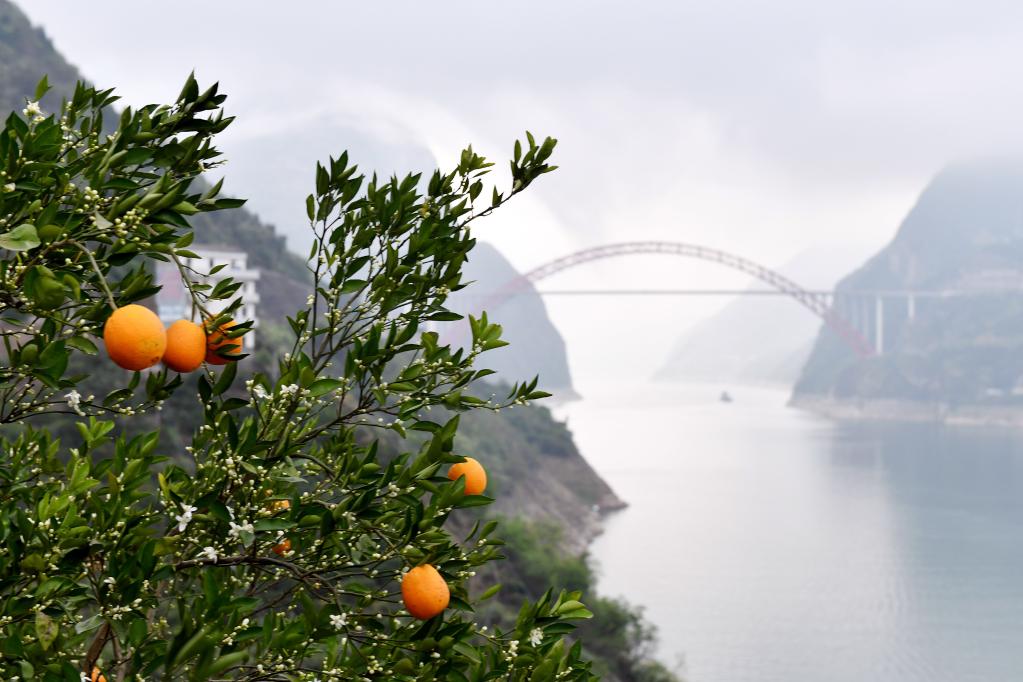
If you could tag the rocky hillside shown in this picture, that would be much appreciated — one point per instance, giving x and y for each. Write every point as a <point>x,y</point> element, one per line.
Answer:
<point>955,355</point>
<point>532,456</point>
<point>537,472</point>
<point>536,345</point>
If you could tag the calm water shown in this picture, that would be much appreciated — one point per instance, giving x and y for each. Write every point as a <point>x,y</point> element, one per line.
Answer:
<point>771,545</point>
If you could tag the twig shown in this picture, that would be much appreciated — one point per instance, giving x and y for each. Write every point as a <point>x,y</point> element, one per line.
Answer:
<point>96,648</point>
<point>95,266</point>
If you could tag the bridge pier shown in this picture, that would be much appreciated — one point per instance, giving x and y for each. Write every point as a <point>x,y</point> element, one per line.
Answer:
<point>879,325</point>
<point>911,307</point>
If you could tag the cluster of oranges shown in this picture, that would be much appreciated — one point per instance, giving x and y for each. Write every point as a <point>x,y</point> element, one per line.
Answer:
<point>136,339</point>
<point>423,589</point>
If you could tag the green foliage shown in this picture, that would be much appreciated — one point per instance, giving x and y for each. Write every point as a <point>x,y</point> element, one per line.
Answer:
<point>169,565</point>
<point>619,639</point>
<point>84,212</point>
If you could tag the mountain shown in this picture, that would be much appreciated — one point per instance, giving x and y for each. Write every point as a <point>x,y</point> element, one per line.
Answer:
<point>291,150</point>
<point>541,481</point>
<point>26,54</point>
<point>536,345</point>
<point>529,452</point>
<point>954,357</point>
<point>758,339</point>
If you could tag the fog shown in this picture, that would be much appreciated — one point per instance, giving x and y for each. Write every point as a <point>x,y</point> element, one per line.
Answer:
<point>762,128</point>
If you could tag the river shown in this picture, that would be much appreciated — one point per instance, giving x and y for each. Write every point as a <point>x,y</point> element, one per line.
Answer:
<point>771,545</point>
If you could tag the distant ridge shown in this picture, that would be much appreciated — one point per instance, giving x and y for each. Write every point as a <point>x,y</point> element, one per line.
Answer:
<point>965,232</point>
<point>758,339</point>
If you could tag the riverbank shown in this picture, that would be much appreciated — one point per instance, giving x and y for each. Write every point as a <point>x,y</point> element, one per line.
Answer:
<point>1007,416</point>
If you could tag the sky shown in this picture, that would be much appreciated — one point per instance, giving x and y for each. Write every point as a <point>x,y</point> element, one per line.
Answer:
<point>763,128</point>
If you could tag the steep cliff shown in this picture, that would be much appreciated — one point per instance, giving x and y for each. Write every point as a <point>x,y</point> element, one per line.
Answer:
<point>537,472</point>
<point>953,353</point>
<point>536,345</point>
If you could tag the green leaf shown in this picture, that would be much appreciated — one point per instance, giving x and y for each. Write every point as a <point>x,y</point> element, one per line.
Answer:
<point>228,660</point>
<point>468,651</point>
<point>21,238</point>
<point>226,378</point>
<point>490,592</point>
<point>90,623</point>
<point>352,285</point>
<point>46,629</point>
<point>474,501</point>
<point>83,344</point>
<point>41,89</point>
<point>324,386</point>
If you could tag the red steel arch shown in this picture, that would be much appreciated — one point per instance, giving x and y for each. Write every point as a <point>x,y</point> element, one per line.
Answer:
<point>816,303</point>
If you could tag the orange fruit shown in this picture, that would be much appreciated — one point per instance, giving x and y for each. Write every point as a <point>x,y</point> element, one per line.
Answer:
<point>279,505</point>
<point>424,592</point>
<point>134,337</point>
<point>186,346</point>
<point>283,547</point>
<point>475,475</point>
<point>216,341</point>
<point>97,676</point>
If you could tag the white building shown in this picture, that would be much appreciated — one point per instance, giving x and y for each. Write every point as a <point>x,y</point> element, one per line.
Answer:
<point>174,303</point>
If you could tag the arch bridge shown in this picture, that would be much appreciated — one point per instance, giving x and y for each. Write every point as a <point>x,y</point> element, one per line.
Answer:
<point>818,303</point>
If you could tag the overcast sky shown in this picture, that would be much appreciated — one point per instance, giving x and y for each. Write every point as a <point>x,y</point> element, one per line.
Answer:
<point>764,128</point>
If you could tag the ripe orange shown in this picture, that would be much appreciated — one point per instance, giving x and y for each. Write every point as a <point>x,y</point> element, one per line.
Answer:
<point>424,592</point>
<point>280,505</point>
<point>216,341</point>
<point>134,337</point>
<point>475,475</point>
<point>283,547</point>
<point>97,676</point>
<point>186,346</point>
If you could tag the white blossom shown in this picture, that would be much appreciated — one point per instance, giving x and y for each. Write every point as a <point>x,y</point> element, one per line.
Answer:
<point>209,553</point>
<point>32,109</point>
<point>260,392</point>
<point>74,400</point>
<point>339,620</point>
<point>238,528</point>
<point>535,636</point>
<point>184,518</point>
<point>9,187</point>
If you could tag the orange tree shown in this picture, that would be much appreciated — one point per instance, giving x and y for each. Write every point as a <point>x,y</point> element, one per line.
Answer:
<point>276,546</point>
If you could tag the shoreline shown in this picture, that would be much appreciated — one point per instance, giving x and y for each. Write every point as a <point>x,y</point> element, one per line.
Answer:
<point>890,410</point>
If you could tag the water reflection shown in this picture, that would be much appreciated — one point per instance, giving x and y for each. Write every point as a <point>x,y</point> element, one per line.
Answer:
<point>768,544</point>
